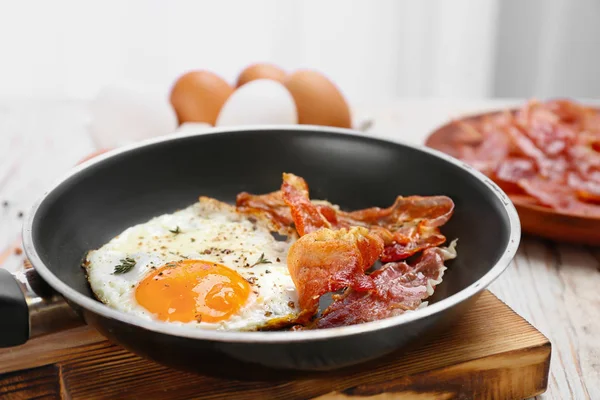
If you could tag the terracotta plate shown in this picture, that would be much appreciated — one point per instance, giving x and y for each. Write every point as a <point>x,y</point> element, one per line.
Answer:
<point>536,220</point>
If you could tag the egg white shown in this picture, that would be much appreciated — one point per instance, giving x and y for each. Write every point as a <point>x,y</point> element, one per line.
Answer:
<point>207,230</point>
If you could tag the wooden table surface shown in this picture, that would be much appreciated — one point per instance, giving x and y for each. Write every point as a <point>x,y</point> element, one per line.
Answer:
<point>556,287</point>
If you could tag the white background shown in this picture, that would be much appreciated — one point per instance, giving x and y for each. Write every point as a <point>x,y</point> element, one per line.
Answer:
<point>375,51</point>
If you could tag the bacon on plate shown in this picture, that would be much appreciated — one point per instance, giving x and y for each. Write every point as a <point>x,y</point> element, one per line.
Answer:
<point>548,151</point>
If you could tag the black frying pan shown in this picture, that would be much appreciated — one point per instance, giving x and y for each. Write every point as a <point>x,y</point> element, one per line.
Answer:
<point>106,195</point>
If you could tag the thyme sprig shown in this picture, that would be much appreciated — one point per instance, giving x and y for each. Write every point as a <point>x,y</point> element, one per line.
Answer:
<point>126,265</point>
<point>261,260</point>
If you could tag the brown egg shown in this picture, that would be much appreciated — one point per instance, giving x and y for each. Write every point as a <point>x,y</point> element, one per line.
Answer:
<point>318,100</point>
<point>260,71</point>
<point>93,154</point>
<point>198,96</point>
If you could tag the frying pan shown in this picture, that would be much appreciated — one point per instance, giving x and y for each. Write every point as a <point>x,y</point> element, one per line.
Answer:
<point>114,191</point>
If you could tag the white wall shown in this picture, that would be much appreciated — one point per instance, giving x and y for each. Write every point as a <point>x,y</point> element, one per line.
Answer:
<point>374,50</point>
<point>548,49</point>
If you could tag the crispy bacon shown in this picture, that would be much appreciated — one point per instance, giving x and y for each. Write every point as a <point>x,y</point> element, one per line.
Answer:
<point>416,240</point>
<point>276,209</point>
<point>511,171</point>
<point>545,150</point>
<point>435,209</point>
<point>325,261</point>
<point>271,203</point>
<point>400,287</point>
<point>487,153</point>
<point>410,225</point>
<point>305,214</point>
<point>336,248</point>
<point>407,227</point>
<point>563,197</point>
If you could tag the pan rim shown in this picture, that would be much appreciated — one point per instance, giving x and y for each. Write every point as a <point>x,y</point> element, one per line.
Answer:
<point>281,336</point>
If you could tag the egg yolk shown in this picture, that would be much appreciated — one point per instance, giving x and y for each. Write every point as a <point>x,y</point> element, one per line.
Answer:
<point>193,290</point>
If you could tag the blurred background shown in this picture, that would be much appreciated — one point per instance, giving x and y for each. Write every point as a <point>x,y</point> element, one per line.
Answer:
<point>375,51</point>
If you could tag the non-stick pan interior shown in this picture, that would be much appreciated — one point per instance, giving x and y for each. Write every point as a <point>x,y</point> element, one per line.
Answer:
<point>98,202</point>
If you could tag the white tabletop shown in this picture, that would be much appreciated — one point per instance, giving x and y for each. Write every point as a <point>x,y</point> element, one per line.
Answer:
<point>556,287</point>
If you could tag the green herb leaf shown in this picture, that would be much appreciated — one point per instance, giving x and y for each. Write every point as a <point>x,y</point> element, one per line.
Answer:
<point>126,265</point>
<point>261,260</point>
<point>175,231</point>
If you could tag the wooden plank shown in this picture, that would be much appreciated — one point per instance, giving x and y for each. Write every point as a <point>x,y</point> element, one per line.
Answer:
<point>47,349</point>
<point>36,383</point>
<point>490,353</point>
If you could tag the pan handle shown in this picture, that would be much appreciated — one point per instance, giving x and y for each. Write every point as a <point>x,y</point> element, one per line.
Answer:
<point>30,308</point>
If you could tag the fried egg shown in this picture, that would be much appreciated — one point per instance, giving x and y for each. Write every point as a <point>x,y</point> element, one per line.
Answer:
<point>206,265</point>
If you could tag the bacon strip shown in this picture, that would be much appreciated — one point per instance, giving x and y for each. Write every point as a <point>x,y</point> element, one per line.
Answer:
<point>415,240</point>
<point>326,261</point>
<point>560,196</point>
<point>305,214</point>
<point>277,209</point>
<point>400,287</point>
<point>489,151</point>
<point>271,203</point>
<point>410,225</point>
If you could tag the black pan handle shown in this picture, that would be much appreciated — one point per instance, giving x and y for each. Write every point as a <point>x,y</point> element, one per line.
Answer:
<point>30,308</point>
<point>14,314</point>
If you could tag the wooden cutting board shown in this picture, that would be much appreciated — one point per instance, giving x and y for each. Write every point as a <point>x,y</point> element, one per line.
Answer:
<point>490,353</point>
